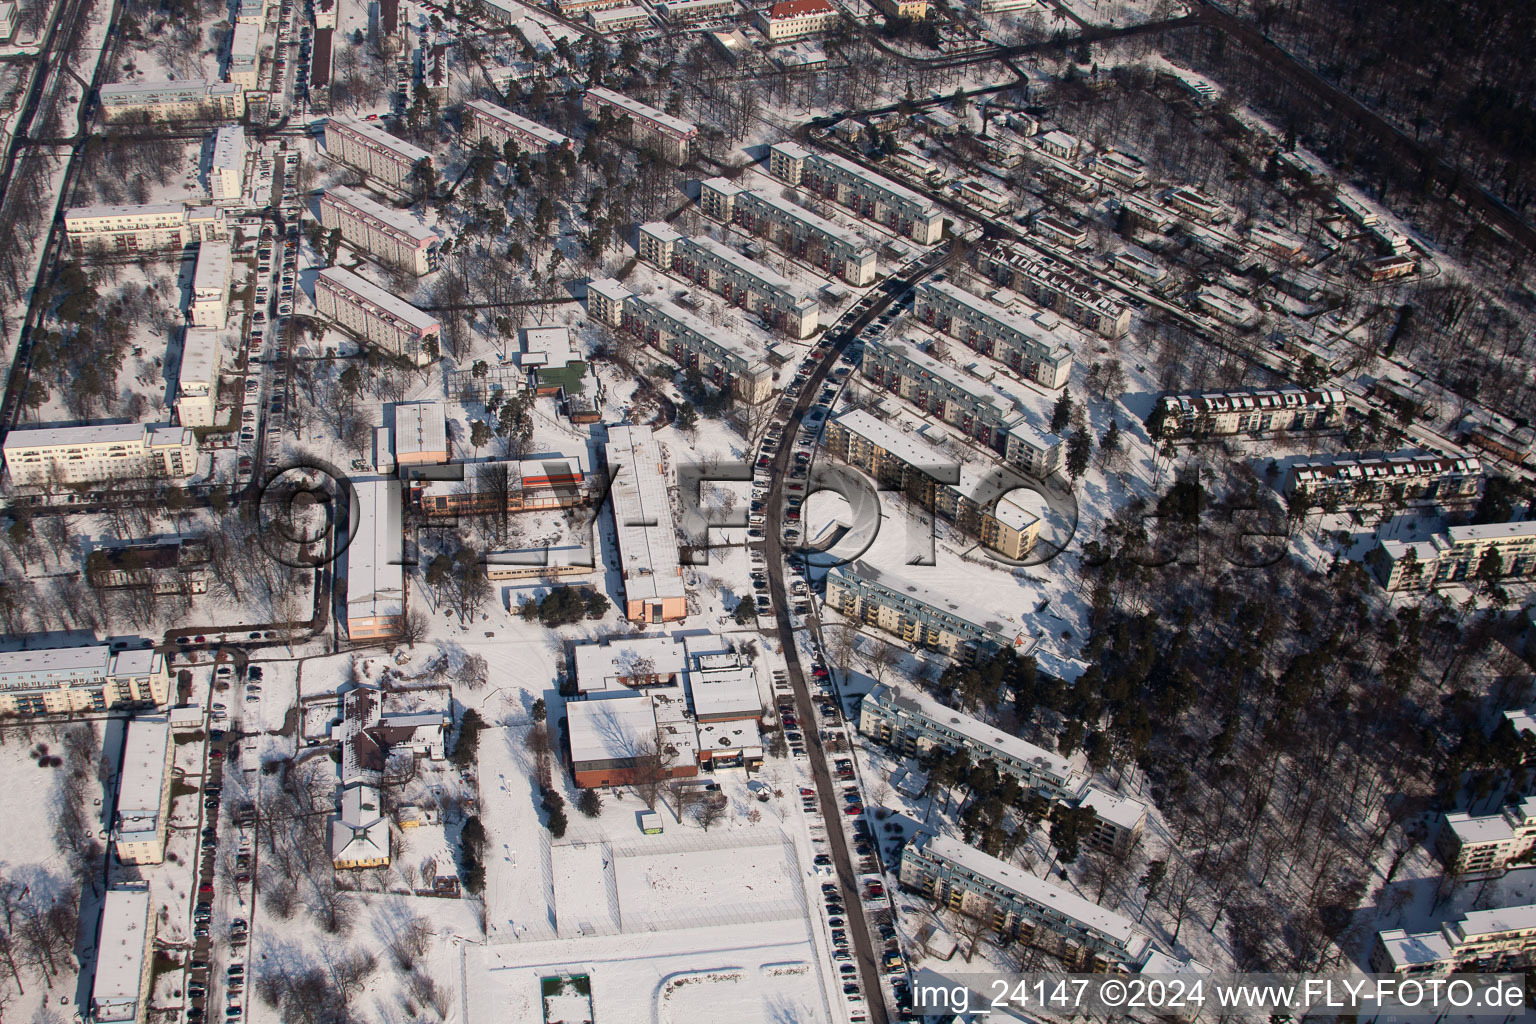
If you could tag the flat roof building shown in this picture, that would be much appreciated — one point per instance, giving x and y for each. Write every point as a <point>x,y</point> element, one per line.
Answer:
<point>643,521</point>
<point>197,381</point>
<point>859,189</point>
<point>1456,555</point>
<point>375,574</point>
<point>125,230</point>
<point>1480,941</point>
<point>619,666</point>
<point>782,303</point>
<point>372,150</point>
<point>649,128</point>
<point>382,232</point>
<point>68,680</point>
<point>374,315</point>
<point>792,228</point>
<point>953,624</point>
<point>226,171</point>
<point>619,19</point>
<point>685,12</point>
<point>210,286</point>
<point>60,456</point>
<point>191,99</point>
<point>1018,342</point>
<point>120,987</point>
<point>244,56</point>
<point>421,433</point>
<point>1050,282</point>
<point>538,483</point>
<point>628,739</point>
<point>484,120</point>
<point>143,792</point>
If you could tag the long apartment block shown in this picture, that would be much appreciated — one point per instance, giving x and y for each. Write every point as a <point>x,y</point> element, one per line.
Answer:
<point>1259,411</point>
<point>1015,340</point>
<point>143,791</point>
<point>1351,482</point>
<point>386,234</point>
<point>915,724</point>
<point>383,157</point>
<point>70,680</point>
<point>125,230</point>
<point>727,359</point>
<point>484,120</point>
<point>649,128</point>
<point>1057,286</point>
<point>977,502</point>
<point>374,315</point>
<point>649,560</point>
<point>194,99</point>
<point>870,195</point>
<point>954,624</point>
<point>785,304</point>
<point>1476,844</point>
<point>793,228</point>
<point>1455,555</point>
<point>1020,905</point>
<point>979,411</point>
<point>60,456</point>
<point>1481,941</point>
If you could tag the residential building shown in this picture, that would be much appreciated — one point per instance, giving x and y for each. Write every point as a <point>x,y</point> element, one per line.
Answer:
<point>387,234</point>
<point>649,562</point>
<point>953,624</point>
<point>178,566</point>
<point>121,980</point>
<point>360,832</point>
<point>974,501</point>
<point>1277,241</point>
<point>61,456</point>
<point>1347,483</point>
<point>1194,203</point>
<point>375,556</point>
<point>909,10</point>
<point>618,19</point>
<point>7,20</point>
<point>125,230</point>
<point>745,283</point>
<point>388,160</point>
<point>1141,268</point>
<point>377,317</point>
<point>197,381</point>
<point>724,357</point>
<point>1050,282</point>
<point>1490,842</point>
<point>1073,236</point>
<point>978,410</point>
<point>1197,414</point>
<point>1386,268</point>
<point>1018,342</point>
<point>982,197</point>
<point>251,12</point>
<point>421,433</point>
<point>244,56</point>
<point>633,738</point>
<point>1146,214</point>
<point>685,12</point>
<point>1122,168</point>
<point>68,680</point>
<point>796,19</point>
<point>210,286</point>
<point>1020,905</point>
<point>649,128</point>
<point>870,195</point>
<point>484,120</point>
<point>143,792</point>
<point>1480,941</point>
<point>1059,144</point>
<point>522,485</point>
<point>191,99</point>
<point>793,228</point>
<point>576,8</point>
<point>226,172</point>
<point>1456,555</point>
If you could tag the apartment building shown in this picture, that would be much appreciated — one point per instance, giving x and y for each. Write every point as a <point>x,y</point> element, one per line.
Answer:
<point>870,195</point>
<point>61,456</point>
<point>197,381</point>
<point>978,196</point>
<point>745,283</point>
<point>484,120</point>
<point>192,99</point>
<point>125,230</point>
<point>1481,942</point>
<point>1196,204</point>
<point>1197,414</point>
<point>70,680</point>
<point>619,19</point>
<point>726,358</point>
<point>956,491</point>
<point>1061,177</point>
<point>687,12</point>
<point>976,409</point>
<point>910,10</point>
<point>1049,282</point>
<point>375,557</point>
<point>1020,905</point>
<point>649,128</point>
<point>226,171</point>
<point>1488,842</point>
<point>952,624</point>
<point>576,8</point>
<point>143,792</point>
<point>1455,555</point>
<point>120,985</point>
<point>377,317</point>
<point>792,228</point>
<point>210,286</point>
<point>521,485</point>
<point>386,159</point>
<point>796,19</point>
<point>251,12</point>
<point>1018,342</point>
<point>1346,483</point>
<point>245,56</point>
<point>1124,169</point>
<point>1059,144</point>
<point>649,561</point>
<point>167,567</point>
<point>1061,232</point>
<point>387,234</point>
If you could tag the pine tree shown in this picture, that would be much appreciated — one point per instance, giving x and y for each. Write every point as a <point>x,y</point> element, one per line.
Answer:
<point>1109,444</point>
<point>1061,415</point>
<point>1079,447</point>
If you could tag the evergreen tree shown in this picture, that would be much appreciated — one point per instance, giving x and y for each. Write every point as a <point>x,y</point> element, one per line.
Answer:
<point>1061,415</point>
<point>1079,447</point>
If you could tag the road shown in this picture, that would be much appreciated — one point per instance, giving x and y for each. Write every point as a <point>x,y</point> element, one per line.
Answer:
<point>841,335</point>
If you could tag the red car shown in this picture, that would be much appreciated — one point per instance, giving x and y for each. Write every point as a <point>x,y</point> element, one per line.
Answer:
<point>854,809</point>
<point>217,755</point>
<point>805,791</point>
<point>206,887</point>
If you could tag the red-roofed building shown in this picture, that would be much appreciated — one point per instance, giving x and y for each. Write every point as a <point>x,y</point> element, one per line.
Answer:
<point>795,19</point>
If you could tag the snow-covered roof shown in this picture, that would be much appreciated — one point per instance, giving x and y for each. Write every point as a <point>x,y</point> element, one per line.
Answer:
<point>199,359</point>
<point>344,280</point>
<point>601,668</point>
<point>141,784</point>
<point>644,111</point>
<point>375,575</point>
<point>1479,923</point>
<point>421,428</point>
<point>120,965</point>
<point>913,701</point>
<point>1122,812</point>
<point>642,515</point>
